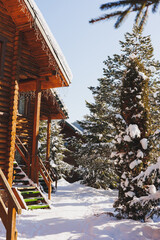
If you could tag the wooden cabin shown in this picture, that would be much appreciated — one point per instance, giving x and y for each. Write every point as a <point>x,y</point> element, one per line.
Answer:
<point>51,108</point>
<point>69,130</point>
<point>31,63</point>
<point>74,132</point>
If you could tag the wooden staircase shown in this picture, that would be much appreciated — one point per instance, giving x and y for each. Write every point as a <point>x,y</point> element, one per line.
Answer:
<point>8,213</point>
<point>40,169</point>
<point>28,193</point>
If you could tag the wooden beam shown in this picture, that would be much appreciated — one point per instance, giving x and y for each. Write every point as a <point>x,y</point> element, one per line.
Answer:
<point>13,108</point>
<point>49,190</point>
<point>10,193</point>
<point>48,142</point>
<point>11,228</point>
<point>30,84</point>
<point>34,170</point>
<point>19,199</point>
<point>54,116</point>
<point>3,213</point>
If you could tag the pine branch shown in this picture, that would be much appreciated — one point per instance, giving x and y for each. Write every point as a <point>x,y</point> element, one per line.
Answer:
<point>139,13</point>
<point>122,17</point>
<point>144,18</point>
<point>106,16</point>
<point>114,4</point>
<point>133,6</point>
<point>155,6</point>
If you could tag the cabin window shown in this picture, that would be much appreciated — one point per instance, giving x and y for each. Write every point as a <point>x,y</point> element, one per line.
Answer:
<point>23,107</point>
<point>2,54</point>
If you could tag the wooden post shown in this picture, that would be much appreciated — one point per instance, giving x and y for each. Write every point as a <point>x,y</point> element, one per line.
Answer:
<point>34,170</point>
<point>13,108</point>
<point>48,142</point>
<point>11,228</point>
<point>49,190</point>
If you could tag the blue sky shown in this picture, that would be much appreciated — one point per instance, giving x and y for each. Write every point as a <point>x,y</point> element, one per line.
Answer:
<point>86,46</point>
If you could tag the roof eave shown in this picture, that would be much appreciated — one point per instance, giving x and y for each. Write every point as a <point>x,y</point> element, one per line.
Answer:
<point>68,77</point>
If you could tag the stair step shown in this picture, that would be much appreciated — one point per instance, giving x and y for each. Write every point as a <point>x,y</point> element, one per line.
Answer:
<point>31,207</point>
<point>22,166</point>
<point>20,181</point>
<point>19,175</point>
<point>30,192</point>
<point>26,188</point>
<point>33,199</point>
<point>17,170</point>
<point>31,196</point>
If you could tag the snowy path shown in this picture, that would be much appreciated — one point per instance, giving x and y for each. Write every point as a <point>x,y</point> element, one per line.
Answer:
<point>75,216</point>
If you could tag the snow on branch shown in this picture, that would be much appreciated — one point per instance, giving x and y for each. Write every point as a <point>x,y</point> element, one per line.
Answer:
<point>152,168</point>
<point>144,199</point>
<point>133,131</point>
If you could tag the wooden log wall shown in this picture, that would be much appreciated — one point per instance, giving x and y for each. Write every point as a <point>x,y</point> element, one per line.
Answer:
<point>7,89</point>
<point>24,130</point>
<point>29,68</point>
<point>25,127</point>
<point>19,63</point>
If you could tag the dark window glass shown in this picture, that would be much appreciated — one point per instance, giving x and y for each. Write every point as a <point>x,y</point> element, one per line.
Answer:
<point>23,107</point>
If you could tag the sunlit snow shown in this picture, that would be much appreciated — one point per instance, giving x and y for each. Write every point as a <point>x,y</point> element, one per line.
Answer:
<point>133,131</point>
<point>80,213</point>
<point>144,143</point>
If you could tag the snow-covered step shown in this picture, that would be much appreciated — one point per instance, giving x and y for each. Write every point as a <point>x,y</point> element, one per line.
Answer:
<point>27,193</point>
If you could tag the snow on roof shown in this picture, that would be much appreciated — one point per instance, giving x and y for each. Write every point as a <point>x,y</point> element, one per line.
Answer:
<point>76,128</point>
<point>49,38</point>
<point>60,101</point>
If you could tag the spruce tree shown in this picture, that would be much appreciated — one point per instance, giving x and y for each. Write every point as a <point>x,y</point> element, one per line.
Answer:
<point>58,150</point>
<point>57,146</point>
<point>133,146</point>
<point>121,107</point>
<point>94,153</point>
<point>134,142</point>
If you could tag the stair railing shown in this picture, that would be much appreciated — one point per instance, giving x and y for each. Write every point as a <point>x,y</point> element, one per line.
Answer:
<point>41,168</point>
<point>53,175</point>
<point>9,216</point>
<point>24,153</point>
<point>46,176</point>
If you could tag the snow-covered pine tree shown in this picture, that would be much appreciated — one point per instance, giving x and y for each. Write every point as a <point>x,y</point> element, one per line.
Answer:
<point>57,147</point>
<point>105,119</point>
<point>133,144</point>
<point>58,150</point>
<point>98,128</point>
<point>94,153</point>
<point>42,140</point>
<point>108,102</point>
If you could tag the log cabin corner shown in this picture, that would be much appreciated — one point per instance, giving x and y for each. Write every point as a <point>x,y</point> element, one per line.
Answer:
<point>31,64</point>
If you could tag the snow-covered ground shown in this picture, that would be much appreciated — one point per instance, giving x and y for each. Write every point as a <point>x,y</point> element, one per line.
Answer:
<point>78,212</point>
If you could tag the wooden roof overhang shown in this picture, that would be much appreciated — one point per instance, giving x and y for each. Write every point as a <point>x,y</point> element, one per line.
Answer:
<point>51,106</point>
<point>53,71</point>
